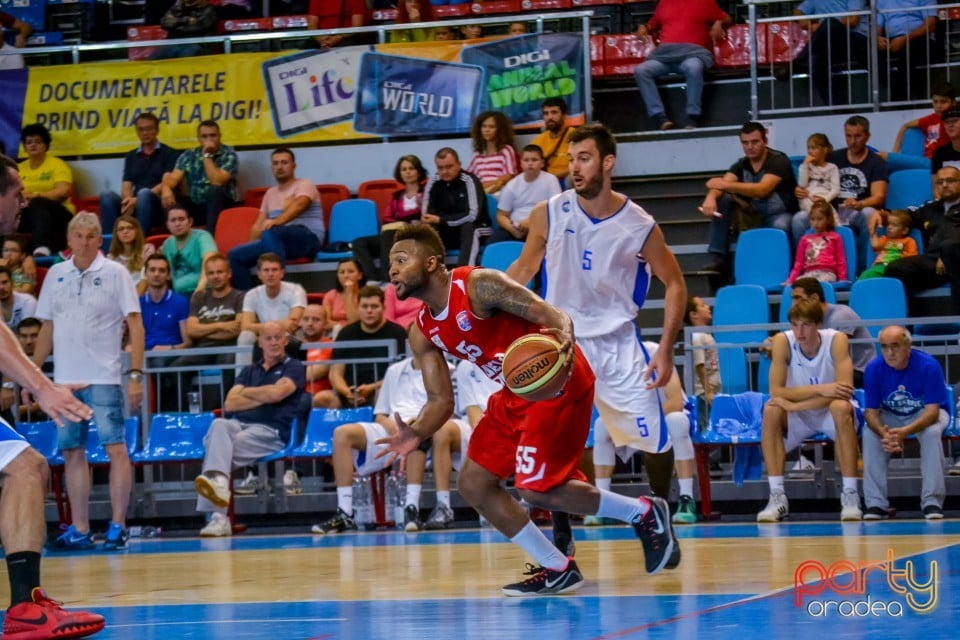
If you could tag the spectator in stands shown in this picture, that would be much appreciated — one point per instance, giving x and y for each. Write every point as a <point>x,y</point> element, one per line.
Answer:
<point>757,190</point>
<point>706,379</point>
<point>404,207</point>
<point>186,19</point>
<point>344,14</point>
<point>210,174</point>
<point>272,301</point>
<point>356,384</point>
<point>444,33</point>
<point>517,29</point>
<point>27,332</point>
<point>833,41</point>
<point>14,306</point>
<point>820,178</point>
<point>290,223</point>
<point>947,154</point>
<point>840,318</point>
<point>944,99</point>
<point>687,30</point>
<point>455,203</point>
<point>143,172</point>
<point>939,263</point>
<point>413,11</point>
<point>863,188</point>
<point>494,159</point>
<point>187,249</point>
<point>905,394</point>
<point>343,300</point>
<point>809,395</point>
<point>896,244</point>
<point>520,195</point>
<point>128,247</point>
<point>402,312</point>
<point>164,310</point>
<point>14,255</point>
<point>22,29</point>
<point>471,31</point>
<point>236,10</point>
<point>47,188</point>
<point>555,139</point>
<point>401,393</point>
<point>314,327</point>
<point>820,254</point>
<point>214,318</point>
<point>905,40</point>
<point>84,305</point>
<point>260,409</point>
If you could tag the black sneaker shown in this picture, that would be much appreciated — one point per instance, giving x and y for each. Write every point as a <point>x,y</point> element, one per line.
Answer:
<point>656,534</point>
<point>338,523</point>
<point>411,518</point>
<point>932,512</point>
<point>546,582</point>
<point>875,513</point>
<point>674,560</point>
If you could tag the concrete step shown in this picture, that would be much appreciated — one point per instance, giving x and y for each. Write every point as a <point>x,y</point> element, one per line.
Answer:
<point>686,231</point>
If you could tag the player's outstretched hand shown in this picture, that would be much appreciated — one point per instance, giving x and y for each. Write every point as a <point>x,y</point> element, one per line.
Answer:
<point>58,402</point>
<point>401,443</point>
<point>660,369</point>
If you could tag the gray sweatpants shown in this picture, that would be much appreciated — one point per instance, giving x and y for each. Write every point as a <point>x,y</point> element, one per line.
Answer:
<point>230,444</point>
<point>932,488</point>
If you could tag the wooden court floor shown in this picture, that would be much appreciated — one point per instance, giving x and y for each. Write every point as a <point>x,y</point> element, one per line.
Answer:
<point>736,580</point>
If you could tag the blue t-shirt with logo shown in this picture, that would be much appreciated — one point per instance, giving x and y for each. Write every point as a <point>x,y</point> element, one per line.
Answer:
<point>901,394</point>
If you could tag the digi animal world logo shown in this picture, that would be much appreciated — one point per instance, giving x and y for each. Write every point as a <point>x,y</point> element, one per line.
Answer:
<point>841,588</point>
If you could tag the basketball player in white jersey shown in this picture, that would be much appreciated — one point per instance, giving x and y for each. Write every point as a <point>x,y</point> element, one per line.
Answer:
<point>599,250</point>
<point>811,391</point>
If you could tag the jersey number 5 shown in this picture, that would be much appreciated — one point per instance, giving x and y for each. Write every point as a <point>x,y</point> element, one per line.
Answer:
<point>587,263</point>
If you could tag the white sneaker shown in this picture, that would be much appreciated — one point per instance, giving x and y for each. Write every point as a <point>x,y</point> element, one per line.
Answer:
<point>954,470</point>
<point>248,486</point>
<point>214,489</point>
<point>777,508</point>
<point>803,469</point>
<point>218,527</point>
<point>850,506</point>
<point>291,482</point>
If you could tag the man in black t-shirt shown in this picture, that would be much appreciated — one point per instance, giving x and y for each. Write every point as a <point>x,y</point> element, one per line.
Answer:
<point>761,182</point>
<point>947,155</point>
<point>356,384</point>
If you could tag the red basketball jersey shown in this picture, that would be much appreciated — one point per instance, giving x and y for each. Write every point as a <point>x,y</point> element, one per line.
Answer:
<point>459,332</point>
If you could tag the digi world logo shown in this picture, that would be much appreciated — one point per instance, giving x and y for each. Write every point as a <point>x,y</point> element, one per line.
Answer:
<point>847,589</point>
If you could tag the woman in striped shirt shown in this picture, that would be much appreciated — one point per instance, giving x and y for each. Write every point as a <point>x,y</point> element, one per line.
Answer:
<point>494,159</point>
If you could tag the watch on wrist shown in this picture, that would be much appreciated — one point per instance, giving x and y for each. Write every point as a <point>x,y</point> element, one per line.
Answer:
<point>135,374</point>
<point>207,155</point>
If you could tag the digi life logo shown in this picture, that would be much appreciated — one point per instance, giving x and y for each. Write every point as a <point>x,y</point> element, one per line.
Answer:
<point>840,589</point>
<point>312,89</point>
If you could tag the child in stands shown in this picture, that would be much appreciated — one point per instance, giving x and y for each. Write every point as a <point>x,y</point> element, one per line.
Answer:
<point>934,135</point>
<point>820,254</point>
<point>14,250</point>
<point>893,246</point>
<point>820,178</point>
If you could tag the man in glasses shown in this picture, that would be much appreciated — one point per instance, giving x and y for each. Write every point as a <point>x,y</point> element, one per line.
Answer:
<point>939,220</point>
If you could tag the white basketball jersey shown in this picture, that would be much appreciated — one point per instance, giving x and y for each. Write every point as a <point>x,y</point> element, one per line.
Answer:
<point>803,371</point>
<point>594,269</point>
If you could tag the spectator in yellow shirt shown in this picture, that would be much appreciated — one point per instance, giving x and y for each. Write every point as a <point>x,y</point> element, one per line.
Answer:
<point>554,141</point>
<point>47,187</point>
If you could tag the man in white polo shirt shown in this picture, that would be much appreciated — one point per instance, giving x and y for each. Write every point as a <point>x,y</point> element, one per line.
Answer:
<point>521,194</point>
<point>84,304</point>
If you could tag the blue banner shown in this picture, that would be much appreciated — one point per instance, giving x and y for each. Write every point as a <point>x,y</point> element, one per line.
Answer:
<point>13,88</point>
<point>413,96</point>
<point>522,72</point>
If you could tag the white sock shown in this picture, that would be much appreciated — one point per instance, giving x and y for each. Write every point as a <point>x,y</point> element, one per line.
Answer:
<point>686,486</point>
<point>775,482</point>
<point>413,495</point>
<point>443,497</point>
<point>345,499</point>
<point>532,540</point>
<point>614,505</point>
<point>850,484</point>
<point>604,484</point>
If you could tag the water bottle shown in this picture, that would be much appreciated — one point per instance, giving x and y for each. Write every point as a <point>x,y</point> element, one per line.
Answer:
<point>362,502</point>
<point>369,515</point>
<point>390,499</point>
<point>401,498</point>
<point>135,532</point>
<point>147,531</point>
<point>193,402</point>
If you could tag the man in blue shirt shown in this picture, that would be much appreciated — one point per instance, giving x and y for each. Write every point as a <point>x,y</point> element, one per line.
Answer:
<point>907,37</point>
<point>833,41</point>
<point>905,395</point>
<point>164,310</point>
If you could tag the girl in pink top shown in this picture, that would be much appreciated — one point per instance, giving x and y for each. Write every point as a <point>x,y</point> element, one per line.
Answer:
<point>494,159</point>
<point>342,301</point>
<point>820,254</point>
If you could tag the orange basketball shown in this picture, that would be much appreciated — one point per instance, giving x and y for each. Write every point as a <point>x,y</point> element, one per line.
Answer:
<point>534,368</point>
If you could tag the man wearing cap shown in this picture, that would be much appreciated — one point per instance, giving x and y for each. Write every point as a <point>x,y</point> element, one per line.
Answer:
<point>947,155</point>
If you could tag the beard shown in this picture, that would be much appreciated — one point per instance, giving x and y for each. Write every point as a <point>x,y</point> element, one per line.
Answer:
<point>552,126</point>
<point>411,288</point>
<point>592,188</point>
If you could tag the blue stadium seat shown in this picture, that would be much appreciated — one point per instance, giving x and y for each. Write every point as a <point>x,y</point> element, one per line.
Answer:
<point>909,188</point>
<point>762,258</point>
<point>492,211</point>
<point>878,298</point>
<point>829,294</point>
<point>882,231</point>
<point>501,255</point>
<point>349,220</point>
<point>736,305</point>
<point>175,437</point>
<point>913,142</point>
<point>763,375</point>
<point>905,161</point>
<point>318,440</point>
<point>42,436</point>
<point>97,454</point>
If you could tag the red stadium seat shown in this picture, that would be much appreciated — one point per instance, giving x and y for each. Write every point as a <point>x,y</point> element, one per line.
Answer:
<point>451,10</point>
<point>290,23</point>
<point>156,240</point>
<point>142,34</point>
<point>233,227</point>
<point>492,7</point>
<point>315,297</point>
<point>785,41</point>
<point>331,194</point>
<point>622,53</point>
<point>41,274</point>
<point>254,197</point>
<point>383,15</point>
<point>545,5</point>
<point>91,204</point>
<point>380,191</point>
<point>733,52</point>
<point>597,44</point>
<point>594,3</point>
<point>245,25</point>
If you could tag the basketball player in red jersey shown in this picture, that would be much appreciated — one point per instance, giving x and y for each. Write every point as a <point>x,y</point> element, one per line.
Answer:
<point>475,314</point>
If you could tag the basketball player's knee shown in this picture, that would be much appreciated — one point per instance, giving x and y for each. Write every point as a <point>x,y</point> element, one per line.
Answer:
<point>345,437</point>
<point>29,468</point>
<point>679,425</point>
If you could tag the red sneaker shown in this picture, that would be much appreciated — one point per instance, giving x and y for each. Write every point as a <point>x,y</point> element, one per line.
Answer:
<point>44,619</point>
